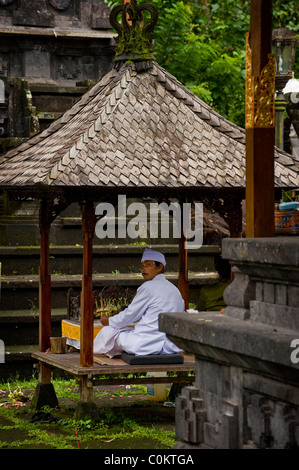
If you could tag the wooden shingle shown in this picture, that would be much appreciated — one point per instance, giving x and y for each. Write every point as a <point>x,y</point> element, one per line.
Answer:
<point>138,129</point>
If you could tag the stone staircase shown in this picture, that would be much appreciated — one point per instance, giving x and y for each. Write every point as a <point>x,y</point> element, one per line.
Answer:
<point>112,264</point>
<point>117,263</point>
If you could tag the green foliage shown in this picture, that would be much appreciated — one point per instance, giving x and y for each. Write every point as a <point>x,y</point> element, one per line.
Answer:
<point>194,43</point>
<point>286,14</point>
<point>202,43</point>
<point>112,3</point>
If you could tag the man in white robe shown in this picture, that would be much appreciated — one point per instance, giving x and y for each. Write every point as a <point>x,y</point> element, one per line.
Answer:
<point>156,295</point>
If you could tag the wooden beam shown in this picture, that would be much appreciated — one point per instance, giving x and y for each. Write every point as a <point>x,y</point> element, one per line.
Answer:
<point>87,297</point>
<point>145,380</point>
<point>44,277</point>
<point>260,132</point>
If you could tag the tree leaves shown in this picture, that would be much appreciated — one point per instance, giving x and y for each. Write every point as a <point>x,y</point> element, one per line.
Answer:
<point>202,43</point>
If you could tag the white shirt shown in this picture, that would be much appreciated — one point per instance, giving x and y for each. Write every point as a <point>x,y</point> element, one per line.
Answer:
<point>153,297</point>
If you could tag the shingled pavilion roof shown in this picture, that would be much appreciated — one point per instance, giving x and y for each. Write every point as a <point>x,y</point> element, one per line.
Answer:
<point>138,129</point>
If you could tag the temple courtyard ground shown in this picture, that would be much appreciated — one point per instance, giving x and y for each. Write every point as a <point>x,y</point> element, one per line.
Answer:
<point>126,419</point>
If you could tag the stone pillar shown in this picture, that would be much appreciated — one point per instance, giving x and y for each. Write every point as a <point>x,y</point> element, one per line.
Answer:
<point>280,107</point>
<point>247,358</point>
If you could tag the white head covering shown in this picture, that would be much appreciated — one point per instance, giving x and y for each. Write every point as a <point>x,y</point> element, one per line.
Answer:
<point>153,255</point>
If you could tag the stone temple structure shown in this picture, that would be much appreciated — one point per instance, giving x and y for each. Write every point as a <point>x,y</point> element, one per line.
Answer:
<point>140,132</point>
<point>51,51</point>
<point>246,391</point>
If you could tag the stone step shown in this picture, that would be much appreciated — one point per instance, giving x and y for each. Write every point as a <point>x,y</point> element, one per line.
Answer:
<point>19,362</point>
<point>19,330</point>
<point>24,260</point>
<point>22,292</point>
<point>20,351</point>
<point>19,225</point>
<point>22,326</point>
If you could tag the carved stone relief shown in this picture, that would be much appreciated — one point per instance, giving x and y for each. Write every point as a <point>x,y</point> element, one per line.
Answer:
<point>190,415</point>
<point>100,16</point>
<point>271,421</point>
<point>33,13</point>
<point>3,65</point>
<point>60,4</point>
<point>68,69</point>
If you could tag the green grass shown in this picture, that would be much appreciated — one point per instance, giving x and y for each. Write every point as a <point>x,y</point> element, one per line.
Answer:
<point>115,427</point>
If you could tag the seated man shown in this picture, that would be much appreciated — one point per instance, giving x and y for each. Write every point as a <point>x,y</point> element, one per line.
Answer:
<point>156,295</point>
<point>211,297</point>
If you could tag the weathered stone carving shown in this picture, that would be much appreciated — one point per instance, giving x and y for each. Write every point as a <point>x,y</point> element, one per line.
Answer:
<point>68,69</point>
<point>73,305</point>
<point>60,4</point>
<point>190,415</point>
<point>100,16</point>
<point>238,295</point>
<point>246,371</point>
<point>33,13</point>
<point>271,422</point>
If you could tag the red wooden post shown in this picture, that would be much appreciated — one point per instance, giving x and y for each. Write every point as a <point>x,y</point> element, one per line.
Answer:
<point>87,298</point>
<point>44,277</point>
<point>260,132</point>
<point>183,283</point>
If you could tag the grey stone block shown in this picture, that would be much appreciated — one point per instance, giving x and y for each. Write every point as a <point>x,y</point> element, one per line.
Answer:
<point>293,296</point>
<point>276,315</point>
<point>190,416</point>
<point>240,291</point>
<point>248,383</point>
<point>230,436</point>
<point>269,292</point>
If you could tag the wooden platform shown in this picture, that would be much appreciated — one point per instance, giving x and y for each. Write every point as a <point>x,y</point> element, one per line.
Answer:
<point>113,368</point>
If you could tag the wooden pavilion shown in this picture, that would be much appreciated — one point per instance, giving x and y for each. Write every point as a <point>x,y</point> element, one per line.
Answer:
<point>137,132</point>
